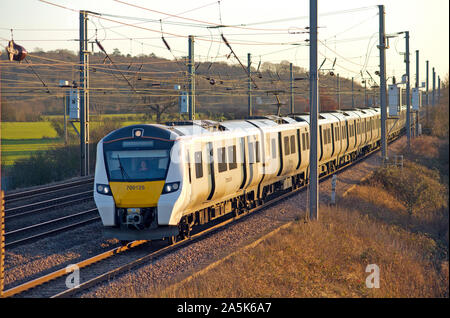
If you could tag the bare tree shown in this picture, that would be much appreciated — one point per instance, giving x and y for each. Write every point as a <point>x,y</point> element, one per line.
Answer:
<point>158,105</point>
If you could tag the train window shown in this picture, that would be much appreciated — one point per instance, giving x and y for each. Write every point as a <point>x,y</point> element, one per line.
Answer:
<point>251,153</point>
<point>198,164</point>
<point>329,135</point>
<point>307,140</point>
<point>257,151</point>
<point>293,148</point>
<point>232,163</point>
<point>286,145</point>
<point>222,164</point>
<point>274,148</point>
<point>303,142</point>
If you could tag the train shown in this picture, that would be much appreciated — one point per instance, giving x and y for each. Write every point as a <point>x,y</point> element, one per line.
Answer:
<point>157,182</point>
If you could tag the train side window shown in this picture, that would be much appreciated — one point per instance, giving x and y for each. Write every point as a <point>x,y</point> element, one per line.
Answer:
<point>329,135</point>
<point>232,162</point>
<point>198,164</point>
<point>251,153</point>
<point>222,164</point>
<point>293,148</point>
<point>286,145</point>
<point>274,148</point>
<point>303,141</point>
<point>258,159</point>
<point>307,140</point>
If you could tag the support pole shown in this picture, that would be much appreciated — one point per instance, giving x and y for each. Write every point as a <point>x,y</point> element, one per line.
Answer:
<point>2,244</point>
<point>434,89</point>
<point>382,48</point>
<point>408,91</point>
<point>84,94</point>
<point>191,80</point>
<point>313,113</point>
<point>65,119</point>
<point>291,72</point>
<point>426,94</point>
<point>365,93</point>
<point>353,96</point>
<point>249,84</point>
<point>417,86</point>
<point>338,91</point>
<point>439,89</point>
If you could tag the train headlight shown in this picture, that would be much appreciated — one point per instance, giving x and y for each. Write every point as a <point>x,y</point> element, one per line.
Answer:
<point>103,189</point>
<point>171,187</point>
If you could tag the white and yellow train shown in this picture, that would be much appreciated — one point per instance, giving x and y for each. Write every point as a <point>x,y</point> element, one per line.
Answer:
<point>158,181</point>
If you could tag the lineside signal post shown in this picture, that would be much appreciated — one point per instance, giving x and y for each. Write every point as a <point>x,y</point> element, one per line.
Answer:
<point>2,244</point>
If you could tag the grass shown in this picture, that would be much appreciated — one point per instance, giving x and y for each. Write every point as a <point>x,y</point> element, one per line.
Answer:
<point>21,139</point>
<point>325,259</point>
<point>376,223</point>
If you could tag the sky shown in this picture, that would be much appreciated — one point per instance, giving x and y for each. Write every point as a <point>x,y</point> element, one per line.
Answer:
<point>271,31</point>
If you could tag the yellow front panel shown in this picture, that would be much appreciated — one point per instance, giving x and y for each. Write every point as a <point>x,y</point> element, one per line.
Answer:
<point>136,194</point>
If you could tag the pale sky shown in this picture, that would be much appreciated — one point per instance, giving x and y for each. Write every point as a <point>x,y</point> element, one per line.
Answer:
<point>270,30</point>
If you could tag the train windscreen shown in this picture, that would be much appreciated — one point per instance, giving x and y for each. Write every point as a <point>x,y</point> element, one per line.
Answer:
<point>137,165</point>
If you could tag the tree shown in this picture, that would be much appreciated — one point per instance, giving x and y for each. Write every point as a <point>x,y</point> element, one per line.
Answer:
<point>158,105</point>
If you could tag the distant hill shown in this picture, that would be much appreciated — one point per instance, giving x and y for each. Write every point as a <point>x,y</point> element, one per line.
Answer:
<point>145,84</point>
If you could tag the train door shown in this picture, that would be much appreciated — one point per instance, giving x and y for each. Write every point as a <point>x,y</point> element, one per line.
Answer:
<point>210,168</point>
<point>243,162</point>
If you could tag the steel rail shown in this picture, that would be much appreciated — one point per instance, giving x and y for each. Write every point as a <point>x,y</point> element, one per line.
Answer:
<point>50,232</point>
<point>29,193</point>
<point>38,204</point>
<point>48,208</point>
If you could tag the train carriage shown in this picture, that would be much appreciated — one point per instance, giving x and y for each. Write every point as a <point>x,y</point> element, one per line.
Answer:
<point>158,181</point>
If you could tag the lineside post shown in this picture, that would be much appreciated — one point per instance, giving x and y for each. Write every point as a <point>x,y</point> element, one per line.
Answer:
<point>408,91</point>
<point>249,84</point>
<point>291,72</point>
<point>417,86</point>
<point>2,244</point>
<point>191,80</point>
<point>427,84</point>
<point>439,89</point>
<point>84,94</point>
<point>434,89</point>
<point>382,48</point>
<point>313,112</point>
<point>353,96</point>
<point>338,91</point>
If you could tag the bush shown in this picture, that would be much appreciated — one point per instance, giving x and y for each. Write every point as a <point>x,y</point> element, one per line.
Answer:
<point>416,186</point>
<point>44,167</point>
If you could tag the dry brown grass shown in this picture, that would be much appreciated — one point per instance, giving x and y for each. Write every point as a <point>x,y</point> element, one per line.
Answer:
<point>373,224</point>
<point>326,259</point>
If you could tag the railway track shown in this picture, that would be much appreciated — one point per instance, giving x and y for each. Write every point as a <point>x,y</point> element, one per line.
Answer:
<point>32,221</point>
<point>51,227</point>
<point>27,194</point>
<point>107,265</point>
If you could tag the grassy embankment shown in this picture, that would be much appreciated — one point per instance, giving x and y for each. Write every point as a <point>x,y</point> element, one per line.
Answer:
<point>397,219</point>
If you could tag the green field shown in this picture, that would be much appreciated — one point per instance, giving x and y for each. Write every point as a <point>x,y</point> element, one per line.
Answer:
<point>21,139</point>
